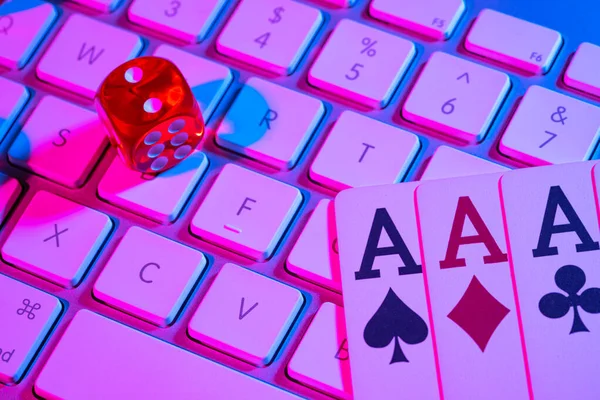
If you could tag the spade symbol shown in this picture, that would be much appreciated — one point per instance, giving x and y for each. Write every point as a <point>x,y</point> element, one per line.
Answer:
<point>392,320</point>
<point>571,279</point>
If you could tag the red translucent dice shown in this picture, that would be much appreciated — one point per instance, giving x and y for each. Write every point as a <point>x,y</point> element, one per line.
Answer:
<point>150,113</point>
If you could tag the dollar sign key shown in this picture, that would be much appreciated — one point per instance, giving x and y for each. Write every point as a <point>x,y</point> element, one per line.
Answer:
<point>277,15</point>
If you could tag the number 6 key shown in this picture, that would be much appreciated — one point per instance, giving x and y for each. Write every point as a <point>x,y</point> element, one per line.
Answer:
<point>361,64</point>
<point>456,97</point>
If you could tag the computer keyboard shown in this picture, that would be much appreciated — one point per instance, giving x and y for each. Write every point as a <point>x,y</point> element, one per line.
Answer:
<point>302,99</point>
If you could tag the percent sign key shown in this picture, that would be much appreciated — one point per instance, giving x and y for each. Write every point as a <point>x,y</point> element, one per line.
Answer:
<point>368,49</point>
<point>361,63</point>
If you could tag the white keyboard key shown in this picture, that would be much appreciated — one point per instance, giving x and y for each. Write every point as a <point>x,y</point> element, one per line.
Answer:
<point>27,316</point>
<point>581,73</point>
<point>270,123</point>
<point>98,358</point>
<point>14,97</point>
<point>514,42</point>
<point>472,303</point>
<point>185,20</point>
<point>23,25</point>
<point>552,229</point>
<point>158,197</point>
<point>270,34</point>
<point>56,239</point>
<point>360,151</point>
<point>361,63</point>
<point>246,212</point>
<point>447,162</point>
<point>339,3</point>
<point>314,255</point>
<point>149,276</point>
<point>245,314</point>
<point>321,359</point>
<point>10,189</point>
<point>84,52</point>
<point>208,80</point>
<point>105,6</point>
<point>432,18</point>
<point>456,97</point>
<point>551,128</point>
<point>59,141</point>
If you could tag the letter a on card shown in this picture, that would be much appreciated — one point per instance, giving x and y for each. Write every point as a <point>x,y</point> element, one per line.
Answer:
<point>387,320</point>
<point>464,257</point>
<point>553,235</point>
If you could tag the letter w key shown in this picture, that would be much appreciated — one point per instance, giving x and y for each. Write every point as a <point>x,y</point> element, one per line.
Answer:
<point>243,313</point>
<point>91,51</point>
<point>84,52</point>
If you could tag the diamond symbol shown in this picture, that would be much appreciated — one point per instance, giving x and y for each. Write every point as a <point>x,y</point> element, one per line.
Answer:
<point>478,313</point>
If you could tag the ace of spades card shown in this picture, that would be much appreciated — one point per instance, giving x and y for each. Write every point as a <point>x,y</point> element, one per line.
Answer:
<point>554,240</point>
<point>385,303</point>
<point>465,261</point>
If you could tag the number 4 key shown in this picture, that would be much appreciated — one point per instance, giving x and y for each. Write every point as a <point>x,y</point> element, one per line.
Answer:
<point>270,34</point>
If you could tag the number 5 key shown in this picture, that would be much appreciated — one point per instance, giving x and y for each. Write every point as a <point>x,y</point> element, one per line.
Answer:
<point>361,64</point>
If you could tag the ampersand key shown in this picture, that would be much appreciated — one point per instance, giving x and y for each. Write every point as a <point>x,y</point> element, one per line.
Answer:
<point>558,115</point>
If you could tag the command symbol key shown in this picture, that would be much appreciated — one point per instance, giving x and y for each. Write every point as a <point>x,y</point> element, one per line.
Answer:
<point>27,316</point>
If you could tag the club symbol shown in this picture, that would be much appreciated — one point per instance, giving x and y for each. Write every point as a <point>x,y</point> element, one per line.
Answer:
<point>29,308</point>
<point>571,279</point>
<point>392,320</point>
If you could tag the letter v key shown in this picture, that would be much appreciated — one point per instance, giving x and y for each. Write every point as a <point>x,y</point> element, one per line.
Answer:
<point>242,313</point>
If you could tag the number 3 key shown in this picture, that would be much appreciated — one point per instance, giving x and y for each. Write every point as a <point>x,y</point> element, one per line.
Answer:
<point>185,20</point>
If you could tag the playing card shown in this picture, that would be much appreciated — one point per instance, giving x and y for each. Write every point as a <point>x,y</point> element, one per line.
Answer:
<point>470,289</point>
<point>553,238</point>
<point>389,335</point>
